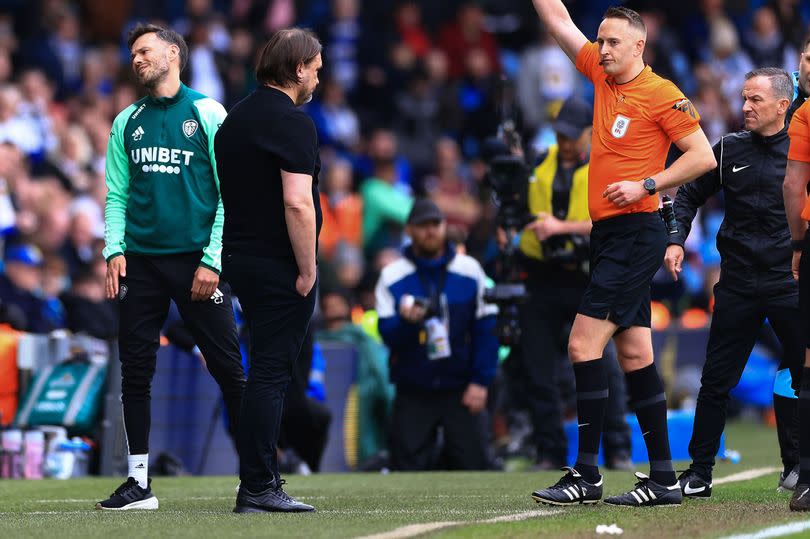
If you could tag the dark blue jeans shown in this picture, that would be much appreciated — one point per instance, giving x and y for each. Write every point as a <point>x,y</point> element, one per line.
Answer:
<point>277,318</point>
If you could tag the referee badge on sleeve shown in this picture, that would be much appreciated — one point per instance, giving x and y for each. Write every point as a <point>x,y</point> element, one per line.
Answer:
<point>620,125</point>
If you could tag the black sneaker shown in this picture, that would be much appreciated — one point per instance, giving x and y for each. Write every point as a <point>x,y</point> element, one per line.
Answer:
<point>130,495</point>
<point>572,489</point>
<point>648,493</point>
<point>272,500</point>
<point>800,501</point>
<point>788,482</point>
<point>693,485</point>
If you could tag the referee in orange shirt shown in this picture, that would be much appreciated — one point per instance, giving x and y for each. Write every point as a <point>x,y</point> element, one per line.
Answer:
<point>797,209</point>
<point>637,115</point>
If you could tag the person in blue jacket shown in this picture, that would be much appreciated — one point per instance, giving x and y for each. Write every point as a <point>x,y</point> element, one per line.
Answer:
<point>433,318</point>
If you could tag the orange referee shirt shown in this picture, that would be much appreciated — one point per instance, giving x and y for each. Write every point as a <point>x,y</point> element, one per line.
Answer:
<point>799,133</point>
<point>633,126</point>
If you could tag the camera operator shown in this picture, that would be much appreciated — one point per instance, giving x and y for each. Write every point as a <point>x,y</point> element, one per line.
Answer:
<point>444,354</point>
<point>553,256</point>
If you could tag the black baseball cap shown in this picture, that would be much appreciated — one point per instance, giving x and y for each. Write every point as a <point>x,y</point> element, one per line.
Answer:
<point>574,116</point>
<point>423,211</point>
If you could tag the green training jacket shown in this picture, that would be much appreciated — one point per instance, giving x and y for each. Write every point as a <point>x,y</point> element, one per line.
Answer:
<point>163,190</point>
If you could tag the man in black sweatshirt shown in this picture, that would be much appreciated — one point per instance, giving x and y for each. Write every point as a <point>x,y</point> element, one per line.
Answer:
<point>755,271</point>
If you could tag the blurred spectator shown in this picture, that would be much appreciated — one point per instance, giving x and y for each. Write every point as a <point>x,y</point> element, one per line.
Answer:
<point>467,32</point>
<point>793,17</point>
<point>451,188</point>
<point>336,122</point>
<point>409,27</point>
<point>341,37</point>
<point>663,51</point>
<point>59,52</point>
<point>697,27</point>
<point>728,61</point>
<point>342,209</point>
<point>82,247</point>
<point>385,208</point>
<point>238,67</point>
<point>20,284</point>
<point>202,72</point>
<point>417,122</point>
<point>476,95</point>
<point>716,117</point>
<point>546,77</point>
<point>375,393</point>
<point>18,128</point>
<point>765,43</point>
<point>87,309</point>
<point>444,352</point>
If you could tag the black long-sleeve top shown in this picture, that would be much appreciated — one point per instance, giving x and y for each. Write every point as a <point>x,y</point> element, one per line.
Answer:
<point>754,239</point>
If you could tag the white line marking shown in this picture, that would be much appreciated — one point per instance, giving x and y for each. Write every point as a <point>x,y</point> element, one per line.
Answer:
<point>747,475</point>
<point>413,530</point>
<point>775,531</point>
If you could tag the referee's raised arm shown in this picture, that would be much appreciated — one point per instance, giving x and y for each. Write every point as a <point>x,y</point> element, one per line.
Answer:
<point>558,21</point>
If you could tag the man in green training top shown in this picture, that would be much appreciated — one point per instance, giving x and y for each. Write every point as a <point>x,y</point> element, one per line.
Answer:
<point>163,241</point>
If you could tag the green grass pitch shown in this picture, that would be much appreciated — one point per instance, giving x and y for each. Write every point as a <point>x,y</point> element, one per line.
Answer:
<point>448,504</point>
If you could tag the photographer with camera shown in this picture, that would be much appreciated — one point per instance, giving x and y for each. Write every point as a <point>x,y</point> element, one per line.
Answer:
<point>444,354</point>
<point>553,256</point>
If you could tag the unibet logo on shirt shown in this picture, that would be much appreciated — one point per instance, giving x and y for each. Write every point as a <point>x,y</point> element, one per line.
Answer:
<point>159,159</point>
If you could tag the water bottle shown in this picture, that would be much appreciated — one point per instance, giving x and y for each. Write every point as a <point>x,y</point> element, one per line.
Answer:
<point>732,456</point>
<point>34,454</point>
<point>12,465</point>
<point>68,460</point>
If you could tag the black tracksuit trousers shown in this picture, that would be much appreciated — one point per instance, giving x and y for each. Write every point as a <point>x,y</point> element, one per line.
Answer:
<point>144,295</point>
<point>734,329</point>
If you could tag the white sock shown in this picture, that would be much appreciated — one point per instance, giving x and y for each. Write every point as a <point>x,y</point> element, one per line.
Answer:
<point>139,468</point>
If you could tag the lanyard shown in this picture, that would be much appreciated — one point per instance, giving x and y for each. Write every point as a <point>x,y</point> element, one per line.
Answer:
<point>433,293</point>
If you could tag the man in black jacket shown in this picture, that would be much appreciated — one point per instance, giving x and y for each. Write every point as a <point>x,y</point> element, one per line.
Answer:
<point>755,273</point>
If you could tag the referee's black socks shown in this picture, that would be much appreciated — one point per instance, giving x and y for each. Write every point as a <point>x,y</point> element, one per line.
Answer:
<point>804,428</point>
<point>592,396</point>
<point>648,400</point>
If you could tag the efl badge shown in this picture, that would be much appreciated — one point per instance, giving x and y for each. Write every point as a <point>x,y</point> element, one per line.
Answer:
<point>189,128</point>
<point>620,125</point>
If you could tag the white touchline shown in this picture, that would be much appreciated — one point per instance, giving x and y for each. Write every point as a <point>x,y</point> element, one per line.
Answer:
<point>412,530</point>
<point>775,531</point>
<point>747,475</point>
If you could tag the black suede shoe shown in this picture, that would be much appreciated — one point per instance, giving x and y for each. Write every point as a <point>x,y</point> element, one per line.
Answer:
<point>800,501</point>
<point>272,500</point>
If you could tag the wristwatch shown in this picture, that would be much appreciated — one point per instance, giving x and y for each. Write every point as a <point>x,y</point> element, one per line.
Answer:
<point>649,185</point>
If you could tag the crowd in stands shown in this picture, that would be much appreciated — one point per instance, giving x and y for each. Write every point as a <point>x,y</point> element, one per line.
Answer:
<point>411,91</point>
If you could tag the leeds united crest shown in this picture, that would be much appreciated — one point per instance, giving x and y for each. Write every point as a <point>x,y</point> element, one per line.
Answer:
<point>189,128</point>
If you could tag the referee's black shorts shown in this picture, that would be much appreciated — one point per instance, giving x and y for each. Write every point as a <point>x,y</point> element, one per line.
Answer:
<point>626,251</point>
<point>804,288</point>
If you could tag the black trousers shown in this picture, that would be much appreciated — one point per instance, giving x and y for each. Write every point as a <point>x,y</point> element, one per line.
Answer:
<point>305,421</point>
<point>735,325</point>
<point>150,283</point>
<point>415,421</point>
<point>544,371</point>
<point>277,318</point>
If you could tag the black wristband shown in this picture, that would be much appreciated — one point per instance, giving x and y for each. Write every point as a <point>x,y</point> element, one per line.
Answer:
<point>797,245</point>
